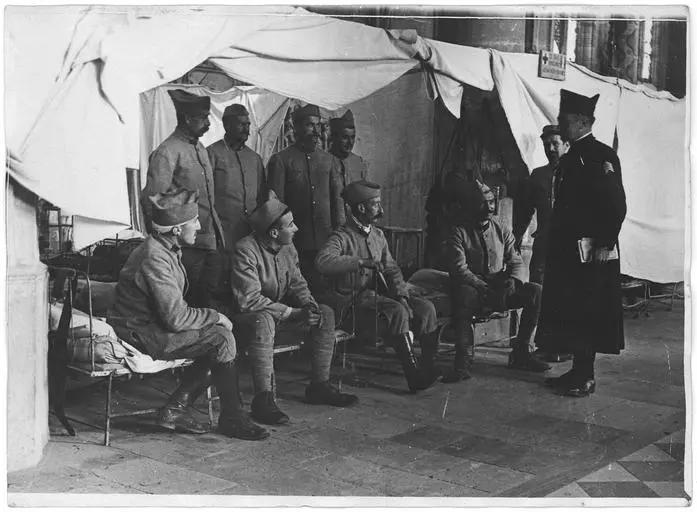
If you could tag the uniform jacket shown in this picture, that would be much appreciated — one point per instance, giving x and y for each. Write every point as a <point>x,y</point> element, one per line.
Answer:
<point>183,161</point>
<point>339,259</point>
<point>536,196</point>
<point>310,184</point>
<point>267,280</point>
<point>239,187</point>
<point>473,253</point>
<point>352,168</point>
<point>582,302</point>
<point>149,310</point>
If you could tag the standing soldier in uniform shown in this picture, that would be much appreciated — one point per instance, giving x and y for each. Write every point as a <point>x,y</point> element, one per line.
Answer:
<point>343,137</point>
<point>536,196</point>
<point>182,161</point>
<point>352,258</point>
<point>582,299</point>
<point>240,185</point>
<point>238,174</point>
<point>307,179</point>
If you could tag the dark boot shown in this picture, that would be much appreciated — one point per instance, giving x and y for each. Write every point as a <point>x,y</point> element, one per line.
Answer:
<point>464,355</point>
<point>521,358</point>
<point>265,410</point>
<point>417,380</point>
<point>323,393</point>
<point>176,414</point>
<point>233,421</point>
<point>583,383</point>
<point>429,352</point>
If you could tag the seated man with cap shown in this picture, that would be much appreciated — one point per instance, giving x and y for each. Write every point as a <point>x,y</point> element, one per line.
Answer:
<point>355,255</point>
<point>487,274</point>
<point>151,314</point>
<point>307,179</point>
<point>181,161</point>
<point>343,137</point>
<point>270,296</point>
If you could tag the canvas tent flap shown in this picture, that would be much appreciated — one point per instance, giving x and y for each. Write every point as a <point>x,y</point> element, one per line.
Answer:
<point>158,118</point>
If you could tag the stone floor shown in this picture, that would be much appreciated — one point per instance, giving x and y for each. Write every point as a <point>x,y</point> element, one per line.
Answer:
<point>501,434</point>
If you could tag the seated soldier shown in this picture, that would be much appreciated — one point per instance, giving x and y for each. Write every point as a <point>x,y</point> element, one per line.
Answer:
<point>352,257</point>
<point>150,313</point>
<point>487,275</point>
<point>271,295</point>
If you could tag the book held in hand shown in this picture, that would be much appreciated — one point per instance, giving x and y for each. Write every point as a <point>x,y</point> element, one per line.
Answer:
<point>586,248</point>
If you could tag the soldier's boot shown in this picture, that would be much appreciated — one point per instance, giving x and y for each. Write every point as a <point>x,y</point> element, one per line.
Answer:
<point>521,358</point>
<point>265,410</point>
<point>417,380</point>
<point>176,414</point>
<point>429,352</point>
<point>233,421</point>
<point>464,355</point>
<point>323,393</point>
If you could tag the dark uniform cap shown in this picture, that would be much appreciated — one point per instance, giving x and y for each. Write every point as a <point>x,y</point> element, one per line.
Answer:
<point>236,109</point>
<point>550,129</point>
<point>263,217</point>
<point>174,207</point>
<point>337,124</point>
<point>360,191</point>
<point>573,103</point>
<point>189,104</point>
<point>304,112</point>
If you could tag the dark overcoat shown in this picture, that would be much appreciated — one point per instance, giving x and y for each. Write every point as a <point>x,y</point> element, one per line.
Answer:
<point>582,302</point>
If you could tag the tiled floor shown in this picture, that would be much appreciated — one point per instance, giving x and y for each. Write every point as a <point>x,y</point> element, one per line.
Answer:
<point>499,434</point>
<point>656,470</point>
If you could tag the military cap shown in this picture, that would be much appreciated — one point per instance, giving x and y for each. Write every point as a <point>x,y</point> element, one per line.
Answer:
<point>360,191</point>
<point>236,109</point>
<point>573,103</point>
<point>174,207</point>
<point>550,129</point>
<point>304,112</point>
<point>189,104</point>
<point>337,124</point>
<point>263,217</point>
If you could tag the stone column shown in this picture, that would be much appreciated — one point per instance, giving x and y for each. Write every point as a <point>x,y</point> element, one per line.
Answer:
<point>27,329</point>
<point>592,38</point>
<point>627,49</point>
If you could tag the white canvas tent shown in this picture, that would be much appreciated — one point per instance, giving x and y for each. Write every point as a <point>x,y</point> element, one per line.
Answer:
<point>73,137</point>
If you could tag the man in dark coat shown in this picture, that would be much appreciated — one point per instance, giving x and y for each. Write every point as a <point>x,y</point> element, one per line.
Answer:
<point>271,296</point>
<point>343,137</point>
<point>352,258</point>
<point>150,313</point>
<point>181,161</point>
<point>307,179</point>
<point>582,299</point>
<point>536,197</point>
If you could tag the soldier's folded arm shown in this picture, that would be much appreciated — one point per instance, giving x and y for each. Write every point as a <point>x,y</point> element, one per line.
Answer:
<point>246,287</point>
<point>457,261</point>
<point>393,274</point>
<point>613,204</point>
<point>298,290</point>
<point>276,179</point>
<point>515,266</point>
<point>173,312</point>
<point>330,259</point>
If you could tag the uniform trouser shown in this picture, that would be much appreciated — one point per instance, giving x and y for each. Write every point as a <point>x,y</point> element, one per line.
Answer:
<point>537,261</point>
<point>214,344</point>
<point>204,272</point>
<point>393,318</point>
<point>466,303</point>
<point>257,331</point>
